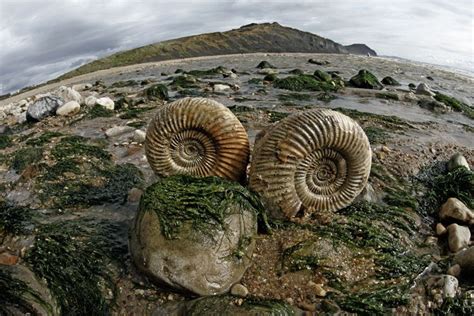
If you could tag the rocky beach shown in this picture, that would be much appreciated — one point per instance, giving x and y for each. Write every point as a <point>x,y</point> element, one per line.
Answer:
<point>74,175</point>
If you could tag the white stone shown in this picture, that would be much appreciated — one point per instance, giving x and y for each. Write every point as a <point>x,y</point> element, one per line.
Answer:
<point>68,94</point>
<point>22,103</point>
<point>458,160</point>
<point>82,86</point>
<point>458,237</point>
<point>450,286</point>
<point>69,108</point>
<point>139,136</point>
<point>90,100</point>
<point>107,103</point>
<point>239,290</point>
<point>118,130</point>
<point>454,209</point>
<point>221,87</point>
<point>424,89</point>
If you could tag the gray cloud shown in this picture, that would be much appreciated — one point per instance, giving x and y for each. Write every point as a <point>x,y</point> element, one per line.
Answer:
<point>43,39</point>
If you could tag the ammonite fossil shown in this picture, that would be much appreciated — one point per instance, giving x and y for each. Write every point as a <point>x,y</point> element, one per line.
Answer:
<point>317,160</point>
<point>199,137</point>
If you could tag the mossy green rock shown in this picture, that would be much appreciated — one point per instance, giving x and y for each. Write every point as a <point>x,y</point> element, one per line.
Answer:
<point>366,80</point>
<point>270,77</point>
<point>303,83</point>
<point>227,305</point>
<point>389,81</point>
<point>157,92</point>
<point>194,234</point>
<point>322,75</point>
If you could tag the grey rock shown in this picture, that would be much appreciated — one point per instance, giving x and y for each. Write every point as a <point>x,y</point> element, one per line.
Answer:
<point>106,102</point>
<point>68,94</point>
<point>433,105</point>
<point>118,130</point>
<point>458,237</point>
<point>465,259</point>
<point>454,209</point>
<point>44,107</point>
<point>424,89</point>
<point>69,108</point>
<point>457,160</point>
<point>450,286</point>
<point>368,194</point>
<point>204,264</point>
<point>90,100</point>
<point>139,136</point>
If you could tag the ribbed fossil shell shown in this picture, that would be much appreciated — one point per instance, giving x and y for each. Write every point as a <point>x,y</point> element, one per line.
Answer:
<point>199,137</point>
<point>317,160</point>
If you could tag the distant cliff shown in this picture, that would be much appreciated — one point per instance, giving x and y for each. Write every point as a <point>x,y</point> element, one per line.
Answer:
<point>252,38</point>
<point>360,49</point>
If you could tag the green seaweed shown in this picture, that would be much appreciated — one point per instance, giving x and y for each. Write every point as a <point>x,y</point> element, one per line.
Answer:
<point>25,157</point>
<point>219,70</point>
<point>73,146</point>
<point>184,82</point>
<point>137,124</point>
<point>205,202</point>
<point>255,81</point>
<point>124,83</point>
<point>294,96</point>
<point>459,306</point>
<point>276,116</point>
<point>135,112</point>
<point>322,75</point>
<point>5,141</point>
<point>376,135</point>
<point>44,138</point>
<point>14,219</point>
<point>303,83</point>
<point>455,104</point>
<point>387,96</point>
<point>157,92</point>
<point>99,111</point>
<point>74,258</point>
<point>270,77</point>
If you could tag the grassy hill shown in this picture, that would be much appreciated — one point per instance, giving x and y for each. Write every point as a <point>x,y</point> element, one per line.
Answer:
<point>252,38</point>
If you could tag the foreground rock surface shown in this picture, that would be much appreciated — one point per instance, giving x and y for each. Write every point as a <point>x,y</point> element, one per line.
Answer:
<point>200,255</point>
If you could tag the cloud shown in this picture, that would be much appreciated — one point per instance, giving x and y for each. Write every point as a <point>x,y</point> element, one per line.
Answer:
<point>42,39</point>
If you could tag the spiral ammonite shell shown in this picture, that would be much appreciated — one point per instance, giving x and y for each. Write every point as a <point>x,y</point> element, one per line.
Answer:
<point>317,160</point>
<point>199,137</point>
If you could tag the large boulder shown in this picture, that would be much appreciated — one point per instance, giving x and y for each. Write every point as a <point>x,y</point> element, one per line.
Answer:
<point>465,259</point>
<point>43,107</point>
<point>194,234</point>
<point>366,80</point>
<point>458,237</point>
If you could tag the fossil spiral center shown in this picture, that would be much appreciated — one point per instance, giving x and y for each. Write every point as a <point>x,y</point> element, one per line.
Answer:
<point>193,150</point>
<point>321,173</point>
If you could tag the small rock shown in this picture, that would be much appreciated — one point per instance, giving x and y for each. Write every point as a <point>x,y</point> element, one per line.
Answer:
<point>457,160</point>
<point>424,89</point>
<point>265,64</point>
<point>45,106</point>
<point>431,240</point>
<point>319,290</point>
<point>4,129</point>
<point>433,105</point>
<point>458,237</point>
<point>389,81</point>
<point>308,307</point>
<point>465,259</point>
<point>118,130</point>
<point>22,103</point>
<point>134,195</point>
<point>69,108</point>
<point>107,103</point>
<point>68,94</point>
<point>440,229</point>
<point>454,270</point>
<point>268,71</point>
<point>450,287</point>
<point>139,136</point>
<point>90,100</point>
<point>221,87</point>
<point>8,259</point>
<point>454,209</point>
<point>239,290</point>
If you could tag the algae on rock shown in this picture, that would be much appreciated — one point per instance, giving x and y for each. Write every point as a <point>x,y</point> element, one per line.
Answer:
<point>195,234</point>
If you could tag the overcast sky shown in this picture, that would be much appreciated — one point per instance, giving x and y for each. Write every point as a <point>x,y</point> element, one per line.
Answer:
<point>39,40</point>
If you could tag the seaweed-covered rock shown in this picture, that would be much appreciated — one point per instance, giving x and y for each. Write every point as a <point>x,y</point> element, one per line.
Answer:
<point>424,89</point>
<point>265,64</point>
<point>157,92</point>
<point>296,71</point>
<point>389,81</point>
<point>303,82</point>
<point>322,75</point>
<point>318,62</point>
<point>433,105</point>
<point>227,306</point>
<point>366,80</point>
<point>195,234</point>
<point>270,77</point>
<point>21,293</point>
<point>42,108</point>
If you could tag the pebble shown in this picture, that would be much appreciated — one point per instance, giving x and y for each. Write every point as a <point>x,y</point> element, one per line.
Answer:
<point>221,87</point>
<point>319,290</point>
<point>424,89</point>
<point>107,103</point>
<point>68,108</point>
<point>458,237</point>
<point>239,290</point>
<point>118,130</point>
<point>458,160</point>
<point>139,136</point>
<point>440,229</point>
<point>454,270</point>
